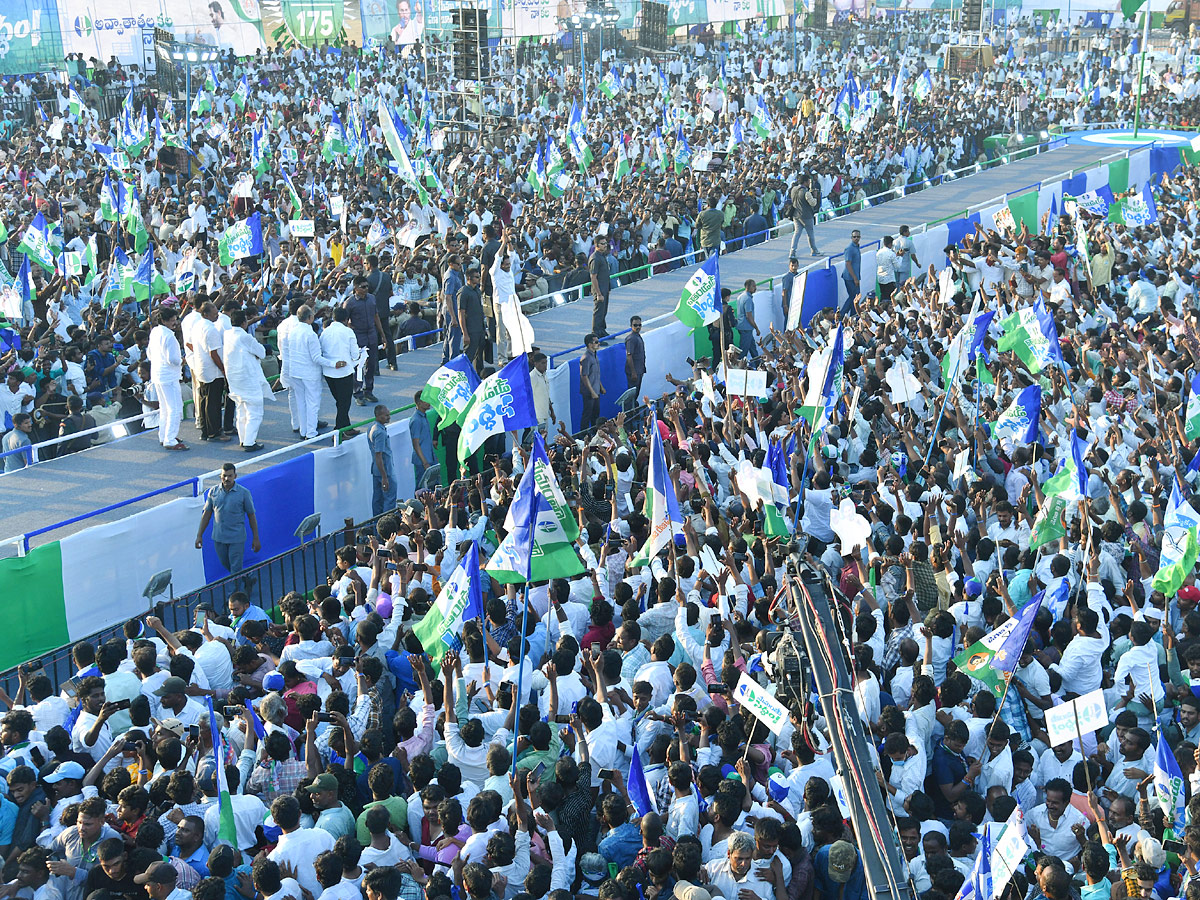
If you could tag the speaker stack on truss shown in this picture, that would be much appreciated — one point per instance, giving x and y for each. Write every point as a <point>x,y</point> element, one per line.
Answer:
<point>653,33</point>
<point>471,51</point>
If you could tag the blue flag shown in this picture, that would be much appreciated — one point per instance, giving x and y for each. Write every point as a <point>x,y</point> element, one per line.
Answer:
<point>981,324</point>
<point>1010,648</point>
<point>502,402</point>
<point>255,721</point>
<point>1019,423</point>
<point>1046,323</point>
<point>1169,786</point>
<point>777,463</point>
<point>1079,448</point>
<point>639,792</point>
<point>1056,600</point>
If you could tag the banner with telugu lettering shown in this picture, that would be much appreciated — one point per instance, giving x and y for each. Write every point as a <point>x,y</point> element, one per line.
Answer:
<point>115,27</point>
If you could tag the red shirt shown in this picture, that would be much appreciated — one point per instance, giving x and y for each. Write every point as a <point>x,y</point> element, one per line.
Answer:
<point>599,635</point>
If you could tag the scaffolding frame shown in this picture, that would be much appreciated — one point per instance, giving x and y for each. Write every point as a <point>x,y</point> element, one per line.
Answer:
<point>469,94</point>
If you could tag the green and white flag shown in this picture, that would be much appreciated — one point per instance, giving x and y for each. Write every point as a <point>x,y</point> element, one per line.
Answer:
<point>36,244</point>
<point>622,167</point>
<point>75,103</point>
<point>1129,8</point>
<point>1180,548</point>
<point>461,599</point>
<point>202,103</point>
<point>536,176</point>
<point>401,164</point>
<point>91,260</point>
<point>577,139</point>
<point>559,184</point>
<point>700,302</point>
<point>757,483</point>
<point>226,824</point>
<point>450,389</point>
<point>555,162</point>
<point>1191,418</point>
<point>335,139</point>
<point>1057,493</point>
<point>761,121</point>
<point>610,86</point>
<point>241,93</point>
<point>134,223</point>
<point>554,530</point>
<point>72,264</point>
<point>1023,335</point>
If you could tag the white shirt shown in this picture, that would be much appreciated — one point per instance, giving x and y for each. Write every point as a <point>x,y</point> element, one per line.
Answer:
<point>1080,665</point>
<point>249,812</point>
<point>1057,841</point>
<point>207,338</point>
<point>338,344</point>
<point>302,353</point>
<point>683,817</point>
<point>242,369</point>
<point>720,877</point>
<point>471,761</point>
<point>104,737</point>
<point>299,848</point>
<point>886,265</point>
<point>166,361</point>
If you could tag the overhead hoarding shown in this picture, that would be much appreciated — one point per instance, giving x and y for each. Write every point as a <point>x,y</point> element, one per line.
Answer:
<point>114,27</point>
<point>30,36</point>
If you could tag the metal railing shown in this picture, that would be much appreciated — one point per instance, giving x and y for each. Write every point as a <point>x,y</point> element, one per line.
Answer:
<point>289,570</point>
<point>23,540</point>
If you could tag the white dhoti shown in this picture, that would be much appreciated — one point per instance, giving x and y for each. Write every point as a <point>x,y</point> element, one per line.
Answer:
<point>517,326</point>
<point>293,406</point>
<point>170,412</point>
<point>307,397</point>
<point>248,419</point>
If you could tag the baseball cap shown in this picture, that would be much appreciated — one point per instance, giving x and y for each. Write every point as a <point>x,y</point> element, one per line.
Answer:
<point>685,890</point>
<point>842,860</point>
<point>593,868</point>
<point>273,681</point>
<point>323,782</point>
<point>172,685</point>
<point>1152,852</point>
<point>158,873</point>
<point>172,725</point>
<point>1189,592</point>
<point>64,771</point>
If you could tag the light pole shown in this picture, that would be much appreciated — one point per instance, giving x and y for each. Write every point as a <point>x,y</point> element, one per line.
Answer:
<point>585,21</point>
<point>188,54</point>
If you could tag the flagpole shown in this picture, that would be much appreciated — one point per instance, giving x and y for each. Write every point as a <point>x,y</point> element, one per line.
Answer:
<point>1000,705</point>
<point>518,697</point>
<point>1087,769</point>
<point>725,367</point>
<point>1137,106</point>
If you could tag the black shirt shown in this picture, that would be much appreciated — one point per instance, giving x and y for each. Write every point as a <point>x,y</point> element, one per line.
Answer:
<point>470,302</point>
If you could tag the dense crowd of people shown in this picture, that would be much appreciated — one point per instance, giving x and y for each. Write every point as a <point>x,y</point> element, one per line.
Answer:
<point>1002,449</point>
<point>172,177</point>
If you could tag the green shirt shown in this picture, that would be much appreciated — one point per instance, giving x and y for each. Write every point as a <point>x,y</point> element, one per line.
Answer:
<point>397,808</point>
